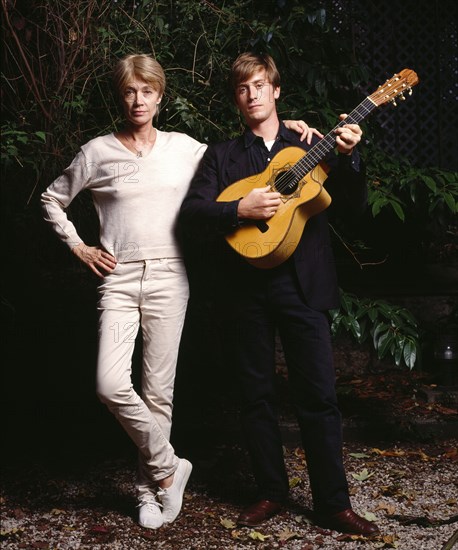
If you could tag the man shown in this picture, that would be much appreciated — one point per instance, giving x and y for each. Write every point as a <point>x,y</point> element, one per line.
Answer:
<point>292,297</point>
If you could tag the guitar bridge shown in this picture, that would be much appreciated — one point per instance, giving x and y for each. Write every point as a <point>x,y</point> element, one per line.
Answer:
<point>262,226</point>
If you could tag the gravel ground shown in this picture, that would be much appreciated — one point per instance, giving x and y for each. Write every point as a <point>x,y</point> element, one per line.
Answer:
<point>410,489</point>
<point>68,476</point>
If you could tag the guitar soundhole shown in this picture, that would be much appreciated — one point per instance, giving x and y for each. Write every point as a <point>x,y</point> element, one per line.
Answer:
<point>286,182</point>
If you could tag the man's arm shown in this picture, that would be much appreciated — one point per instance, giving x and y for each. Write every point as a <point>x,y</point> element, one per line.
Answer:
<point>200,212</point>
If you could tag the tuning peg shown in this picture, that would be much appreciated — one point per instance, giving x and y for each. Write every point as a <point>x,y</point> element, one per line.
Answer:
<point>401,97</point>
<point>393,102</point>
<point>409,90</point>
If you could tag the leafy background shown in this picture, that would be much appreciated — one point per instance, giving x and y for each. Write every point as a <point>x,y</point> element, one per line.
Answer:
<point>57,94</point>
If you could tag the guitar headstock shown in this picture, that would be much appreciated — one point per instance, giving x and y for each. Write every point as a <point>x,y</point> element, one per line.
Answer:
<point>395,87</point>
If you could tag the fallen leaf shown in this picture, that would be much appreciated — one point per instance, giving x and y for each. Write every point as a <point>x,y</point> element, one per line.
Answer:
<point>57,512</point>
<point>389,508</point>
<point>359,455</point>
<point>451,453</point>
<point>388,541</point>
<point>303,519</point>
<point>287,534</point>
<point>227,523</point>
<point>348,537</point>
<point>299,452</point>
<point>397,474</point>
<point>13,531</point>
<point>363,475</point>
<point>294,482</point>
<point>370,516</point>
<point>395,452</point>
<point>255,535</point>
<point>423,521</point>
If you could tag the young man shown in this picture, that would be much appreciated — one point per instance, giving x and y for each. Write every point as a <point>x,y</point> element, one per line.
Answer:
<point>293,297</point>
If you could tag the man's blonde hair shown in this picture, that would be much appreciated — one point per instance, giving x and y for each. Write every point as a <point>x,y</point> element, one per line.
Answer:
<point>249,63</point>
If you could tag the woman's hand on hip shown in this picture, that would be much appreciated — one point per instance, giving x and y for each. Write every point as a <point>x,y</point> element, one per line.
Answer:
<point>97,260</point>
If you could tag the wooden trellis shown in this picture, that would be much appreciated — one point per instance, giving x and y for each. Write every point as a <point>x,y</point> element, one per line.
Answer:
<point>419,35</point>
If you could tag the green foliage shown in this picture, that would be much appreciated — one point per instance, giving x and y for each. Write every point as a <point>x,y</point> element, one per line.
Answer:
<point>393,330</point>
<point>57,94</point>
<point>15,142</point>
<point>409,190</point>
<point>57,64</point>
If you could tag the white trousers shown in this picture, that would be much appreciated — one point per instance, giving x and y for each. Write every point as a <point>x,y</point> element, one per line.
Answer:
<point>153,295</point>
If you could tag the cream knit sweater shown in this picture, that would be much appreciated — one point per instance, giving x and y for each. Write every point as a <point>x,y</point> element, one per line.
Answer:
<point>137,199</point>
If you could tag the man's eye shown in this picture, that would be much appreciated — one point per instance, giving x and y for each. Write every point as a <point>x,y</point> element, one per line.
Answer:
<point>259,85</point>
<point>243,90</point>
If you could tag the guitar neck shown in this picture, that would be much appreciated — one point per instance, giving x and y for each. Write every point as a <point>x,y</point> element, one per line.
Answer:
<point>328,143</point>
<point>396,86</point>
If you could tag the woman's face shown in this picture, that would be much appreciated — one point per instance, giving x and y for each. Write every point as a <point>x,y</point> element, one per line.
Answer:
<point>140,101</point>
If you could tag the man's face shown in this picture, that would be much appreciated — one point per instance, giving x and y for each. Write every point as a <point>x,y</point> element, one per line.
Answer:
<point>256,97</point>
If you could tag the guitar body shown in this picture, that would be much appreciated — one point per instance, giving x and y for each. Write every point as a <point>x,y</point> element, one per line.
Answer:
<point>299,177</point>
<point>268,243</point>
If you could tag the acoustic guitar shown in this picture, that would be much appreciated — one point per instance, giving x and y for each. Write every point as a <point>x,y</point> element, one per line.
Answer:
<point>298,176</point>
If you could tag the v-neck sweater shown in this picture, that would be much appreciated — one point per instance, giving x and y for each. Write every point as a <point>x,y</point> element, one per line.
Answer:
<point>137,199</point>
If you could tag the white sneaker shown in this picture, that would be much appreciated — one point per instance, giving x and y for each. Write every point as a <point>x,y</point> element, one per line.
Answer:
<point>150,515</point>
<point>172,497</point>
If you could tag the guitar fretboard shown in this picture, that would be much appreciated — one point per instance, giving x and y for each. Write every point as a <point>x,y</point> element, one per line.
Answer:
<point>319,151</point>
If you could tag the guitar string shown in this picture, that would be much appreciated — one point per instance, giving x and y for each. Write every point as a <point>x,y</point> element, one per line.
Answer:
<point>296,173</point>
<point>319,151</point>
<point>383,94</point>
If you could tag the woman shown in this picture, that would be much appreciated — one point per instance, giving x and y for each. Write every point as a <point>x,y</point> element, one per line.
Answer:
<point>138,178</point>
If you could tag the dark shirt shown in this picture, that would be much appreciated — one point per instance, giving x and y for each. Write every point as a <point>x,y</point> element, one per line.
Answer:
<point>258,156</point>
<point>205,221</point>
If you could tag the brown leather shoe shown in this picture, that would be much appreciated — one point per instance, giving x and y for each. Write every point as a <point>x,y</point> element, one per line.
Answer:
<point>258,512</point>
<point>348,522</point>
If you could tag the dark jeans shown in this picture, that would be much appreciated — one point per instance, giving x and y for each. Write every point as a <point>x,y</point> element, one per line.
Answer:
<point>271,300</point>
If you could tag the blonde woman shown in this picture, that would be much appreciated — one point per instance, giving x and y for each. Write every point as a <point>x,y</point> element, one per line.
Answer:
<point>138,178</point>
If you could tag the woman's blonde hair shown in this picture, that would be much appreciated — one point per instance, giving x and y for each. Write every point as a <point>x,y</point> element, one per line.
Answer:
<point>140,66</point>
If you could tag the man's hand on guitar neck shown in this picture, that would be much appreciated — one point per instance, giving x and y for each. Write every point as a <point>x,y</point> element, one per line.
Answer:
<point>347,137</point>
<point>260,204</point>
